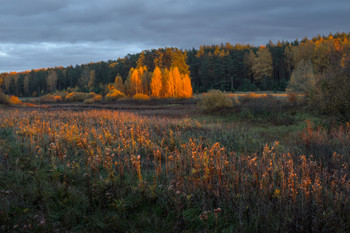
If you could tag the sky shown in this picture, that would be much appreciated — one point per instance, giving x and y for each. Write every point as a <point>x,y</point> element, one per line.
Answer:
<point>48,33</point>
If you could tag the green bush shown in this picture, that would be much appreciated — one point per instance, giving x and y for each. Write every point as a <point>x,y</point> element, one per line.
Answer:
<point>4,99</point>
<point>214,101</point>
<point>303,79</point>
<point>332,94</point>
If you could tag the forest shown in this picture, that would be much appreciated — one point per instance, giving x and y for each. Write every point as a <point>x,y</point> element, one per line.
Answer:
<point>226,67</point>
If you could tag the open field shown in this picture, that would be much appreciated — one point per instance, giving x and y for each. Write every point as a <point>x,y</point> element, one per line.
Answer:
<point>141,166</point>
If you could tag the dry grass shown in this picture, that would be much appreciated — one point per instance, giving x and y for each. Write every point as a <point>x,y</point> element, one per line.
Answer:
<point>184,172</point>
<point>280,96</point>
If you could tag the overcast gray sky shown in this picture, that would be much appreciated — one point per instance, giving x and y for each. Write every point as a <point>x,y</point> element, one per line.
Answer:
<point>47,33</point>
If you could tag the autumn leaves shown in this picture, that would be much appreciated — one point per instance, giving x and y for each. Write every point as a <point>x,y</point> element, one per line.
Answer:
<point>163,83</point>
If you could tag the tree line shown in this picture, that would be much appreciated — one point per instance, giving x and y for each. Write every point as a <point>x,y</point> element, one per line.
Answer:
<point>161,83</point>
<point>226,67</point>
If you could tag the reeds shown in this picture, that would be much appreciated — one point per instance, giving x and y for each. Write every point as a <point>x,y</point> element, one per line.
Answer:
<point>115,145</point>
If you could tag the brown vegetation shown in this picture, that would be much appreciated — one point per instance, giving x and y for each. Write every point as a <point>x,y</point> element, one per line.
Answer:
<point>215,100</point>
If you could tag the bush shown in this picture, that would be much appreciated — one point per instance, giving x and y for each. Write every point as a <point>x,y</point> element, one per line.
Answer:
<point>50,98</point>
<point>114,94</point>
<point>62,94</point>
<point>4,99</point>
<point>89,101</point>
<point>94,99</point>
<point>332,94</point>
<point>303,79</point>
<point>141,97</point>
<point>14,100</point>
<point>214,100</point>
<point>80,96</point>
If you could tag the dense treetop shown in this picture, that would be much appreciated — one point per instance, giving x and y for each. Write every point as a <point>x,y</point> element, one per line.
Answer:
<point>227,67</point>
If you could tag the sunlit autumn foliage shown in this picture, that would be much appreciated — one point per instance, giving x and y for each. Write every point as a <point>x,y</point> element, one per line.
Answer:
<point>63,96</point>
<point>110,148</point>
<point>14,100</point>
<point>50,98</point>
<point>159,84</point>
<point>141,97</point>
<point>80,96</point>
<point>156,82</point>
<point>114,94</point>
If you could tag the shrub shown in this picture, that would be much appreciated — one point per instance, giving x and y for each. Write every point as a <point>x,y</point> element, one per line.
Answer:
<point>89,101</point>
<point>114,94</point>
<point>14,100</point>
<point>97,98</point>
<point>94,99</point>
<point>141,97</point>
<point>75,97</point>
<point>214,100</point>
<point>303,79</point>
<point>62,94</point>
<point>4,99</point>
<point>332,94</point>
<point>50,98</point>
<point>79,96</point>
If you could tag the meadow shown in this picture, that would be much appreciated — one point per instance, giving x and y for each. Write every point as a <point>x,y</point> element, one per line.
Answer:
<point>268,164</point>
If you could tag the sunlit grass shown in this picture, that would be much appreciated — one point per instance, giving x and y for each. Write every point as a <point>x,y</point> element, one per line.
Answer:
<point>114,162</point>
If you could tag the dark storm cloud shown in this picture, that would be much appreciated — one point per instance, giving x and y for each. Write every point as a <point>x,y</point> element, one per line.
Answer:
<point>40,33</point>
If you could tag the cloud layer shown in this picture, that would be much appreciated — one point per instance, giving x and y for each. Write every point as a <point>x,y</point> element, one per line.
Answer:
<point>41,33</point>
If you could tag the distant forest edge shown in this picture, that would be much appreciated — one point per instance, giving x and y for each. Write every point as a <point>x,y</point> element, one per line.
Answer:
<point>226,67</point>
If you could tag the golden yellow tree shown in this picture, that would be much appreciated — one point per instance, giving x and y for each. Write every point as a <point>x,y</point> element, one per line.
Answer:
<point>135,82</point>
<point>118,83</point>
<point>165,75</point>
<point>145,80</point>
<point>142,70</point>
<point>169,90</point>
<point>156,82</point>
<point>187,91</point>
<point>177,82</point>
<point>161,83</point>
